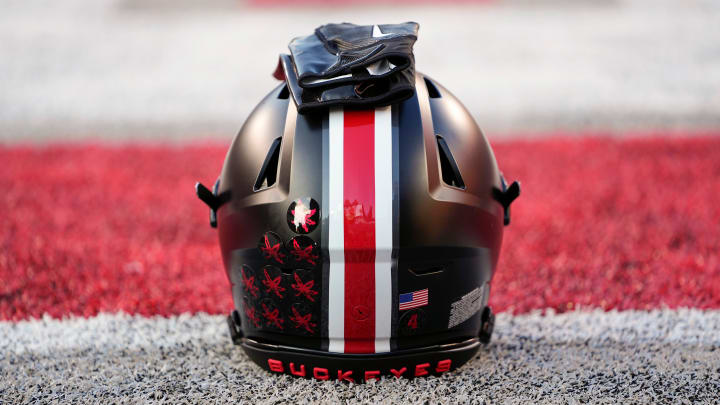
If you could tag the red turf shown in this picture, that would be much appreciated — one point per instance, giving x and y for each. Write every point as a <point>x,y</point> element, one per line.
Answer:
<point>601,223</point>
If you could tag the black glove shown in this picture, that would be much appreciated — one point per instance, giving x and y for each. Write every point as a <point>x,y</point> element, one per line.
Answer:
<point>347,64</point>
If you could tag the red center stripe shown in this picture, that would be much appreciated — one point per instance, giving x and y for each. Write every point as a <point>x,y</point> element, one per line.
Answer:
<point>359,223</point>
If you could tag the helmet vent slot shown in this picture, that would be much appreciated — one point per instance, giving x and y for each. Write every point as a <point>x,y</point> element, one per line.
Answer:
<point>427,271</point>
<point>433,92</point>
<point>284,93</point>
<point>448,167</point>
<point>268,172</point>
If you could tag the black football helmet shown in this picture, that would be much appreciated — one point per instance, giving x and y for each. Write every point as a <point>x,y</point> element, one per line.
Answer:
<point>361,242</point>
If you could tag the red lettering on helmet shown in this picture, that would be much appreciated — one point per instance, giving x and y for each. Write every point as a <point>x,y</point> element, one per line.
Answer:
<point>347,376</point>
<point>398,373</point>
<point>276,365</point>
<point>443,366</point>
<point>321,373</point>
<point>421,369</point>
<point>300,373</point>
<point>371,375</point>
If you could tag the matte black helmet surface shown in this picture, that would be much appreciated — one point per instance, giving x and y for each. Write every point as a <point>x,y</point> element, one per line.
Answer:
<point>361,242</point>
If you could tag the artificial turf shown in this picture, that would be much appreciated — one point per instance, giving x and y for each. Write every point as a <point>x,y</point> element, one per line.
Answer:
<point>602,222</point>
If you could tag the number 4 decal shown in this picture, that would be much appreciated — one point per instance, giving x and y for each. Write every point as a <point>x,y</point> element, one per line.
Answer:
<point>413,322</point>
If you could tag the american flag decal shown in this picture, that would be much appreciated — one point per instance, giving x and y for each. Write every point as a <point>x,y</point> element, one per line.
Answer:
<point>413,299</point>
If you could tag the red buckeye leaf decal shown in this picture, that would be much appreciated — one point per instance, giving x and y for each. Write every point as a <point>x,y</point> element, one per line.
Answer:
<point>273,316</point>
<point>304,289</point>
<point>271,251</point>
<point>273,284</point>
<point>303,321</point>
<point>249,283</point>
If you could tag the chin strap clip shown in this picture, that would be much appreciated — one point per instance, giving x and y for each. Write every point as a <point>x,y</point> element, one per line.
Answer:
<point>506,196</point>
<point>234,324</point>
<point>212,199</point>
<point>487,324</point>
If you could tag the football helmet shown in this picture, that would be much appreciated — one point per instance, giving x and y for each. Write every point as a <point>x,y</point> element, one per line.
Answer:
<point>361,242</point>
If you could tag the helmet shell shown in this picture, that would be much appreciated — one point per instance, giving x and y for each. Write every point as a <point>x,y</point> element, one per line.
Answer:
<point>441,227</point>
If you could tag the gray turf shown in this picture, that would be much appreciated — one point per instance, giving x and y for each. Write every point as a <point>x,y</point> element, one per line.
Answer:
<point>123,69</point>
<point>638,357</point>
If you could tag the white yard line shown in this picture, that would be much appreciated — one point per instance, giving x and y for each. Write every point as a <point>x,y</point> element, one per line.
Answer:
<point>177,69</point>
<point>632,356</point>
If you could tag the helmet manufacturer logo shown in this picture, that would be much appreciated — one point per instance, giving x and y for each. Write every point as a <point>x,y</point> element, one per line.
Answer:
<point>303,215</point>
<point>360,312</point>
